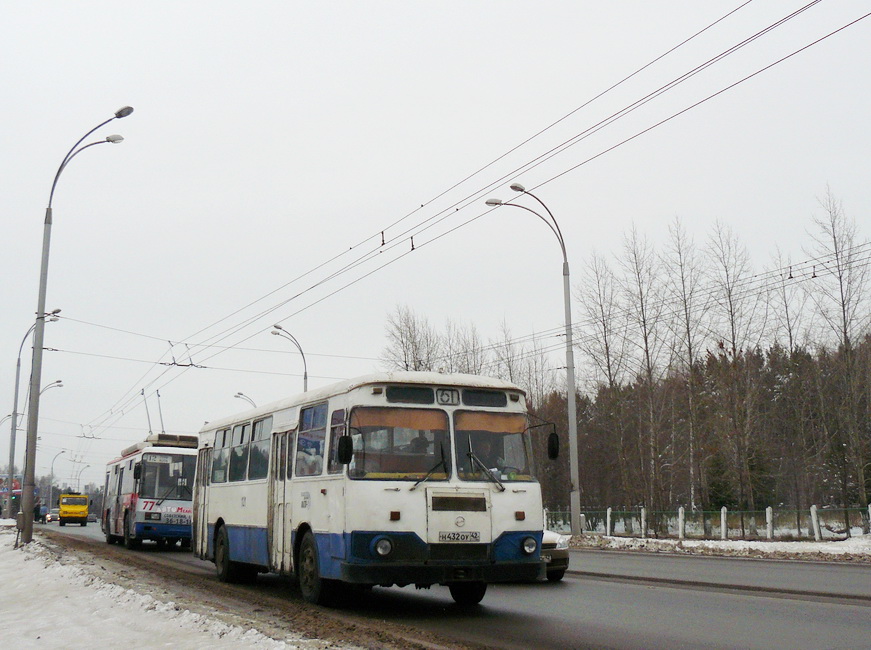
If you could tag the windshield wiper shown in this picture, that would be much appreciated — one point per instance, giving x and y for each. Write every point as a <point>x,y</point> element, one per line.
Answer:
<point>169,491</point>
<point>442,463</point>
<point>481,464</point>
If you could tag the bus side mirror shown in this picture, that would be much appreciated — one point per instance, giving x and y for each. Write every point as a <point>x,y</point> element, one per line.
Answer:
<point>553,446</point>
<point>346,449</point>
<point>137,471</point>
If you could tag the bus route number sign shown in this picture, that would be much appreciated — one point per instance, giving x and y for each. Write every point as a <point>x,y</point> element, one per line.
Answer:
<point>448,396</point>
<point>454,536</point>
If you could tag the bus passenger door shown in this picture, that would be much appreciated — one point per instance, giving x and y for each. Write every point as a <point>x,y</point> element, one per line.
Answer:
<point>200,532</point>
<point>275,519</point>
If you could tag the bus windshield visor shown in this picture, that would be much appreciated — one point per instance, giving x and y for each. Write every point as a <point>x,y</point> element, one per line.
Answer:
<point>400,444</point>
<point>167,476</point>
<point>495,441</point>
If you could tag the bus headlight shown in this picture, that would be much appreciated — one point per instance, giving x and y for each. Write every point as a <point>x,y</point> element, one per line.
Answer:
<point>529,545</point>
<point>383,547</point>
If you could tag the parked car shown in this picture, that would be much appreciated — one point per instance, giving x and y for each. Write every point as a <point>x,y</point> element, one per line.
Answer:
<point>92,516</point>
<point>555,552</point>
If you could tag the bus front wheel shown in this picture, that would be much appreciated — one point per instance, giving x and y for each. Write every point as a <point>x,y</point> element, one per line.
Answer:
<point>314,588</point>
<point>467,593</point>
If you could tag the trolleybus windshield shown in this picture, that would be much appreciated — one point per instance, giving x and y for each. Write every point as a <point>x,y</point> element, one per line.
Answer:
<point>400,444</point>
<point>167,476</point>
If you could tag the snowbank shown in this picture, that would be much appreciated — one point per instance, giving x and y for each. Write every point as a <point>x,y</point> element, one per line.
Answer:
<point>856,548</point>
<point>52,604</point>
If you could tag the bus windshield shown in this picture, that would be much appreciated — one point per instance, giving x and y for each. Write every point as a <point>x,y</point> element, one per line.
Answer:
<point>167,476</point>
<point>495,441</point>
<point>400,444</point>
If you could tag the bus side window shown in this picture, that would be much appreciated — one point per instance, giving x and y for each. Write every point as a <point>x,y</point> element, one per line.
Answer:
<point>291,452</point>
<point>258,462</point>
<point>220,456</point>
<point>337,428</point>
<point>310,443</point>
<point>239,452</point>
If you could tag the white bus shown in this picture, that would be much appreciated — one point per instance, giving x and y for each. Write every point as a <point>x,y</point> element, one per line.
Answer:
<point>389,479</point>
<point>148,492</point>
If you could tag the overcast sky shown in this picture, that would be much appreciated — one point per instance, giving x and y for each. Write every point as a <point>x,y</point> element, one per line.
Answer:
<point>273,142</point>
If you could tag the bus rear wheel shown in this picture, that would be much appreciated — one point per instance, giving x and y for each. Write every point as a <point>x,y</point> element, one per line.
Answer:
<point>314,588</point>
<point>229,571</point>
<point>466,594</point>
<point>130,542</point>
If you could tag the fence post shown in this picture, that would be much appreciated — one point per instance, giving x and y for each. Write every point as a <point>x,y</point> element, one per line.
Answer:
<point>608,522</point>
<point>815,524</point>
<point>583,523</point>
<point>769,523</point>
<point>724,533</point>
<point>681,523</point>
<point>643,522</point>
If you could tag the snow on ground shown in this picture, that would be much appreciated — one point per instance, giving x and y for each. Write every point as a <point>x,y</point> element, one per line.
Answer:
<point>51,604</point>
<point>857,548</point>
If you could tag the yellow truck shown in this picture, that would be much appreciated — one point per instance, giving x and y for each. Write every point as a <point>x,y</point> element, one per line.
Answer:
<point>73,508</point>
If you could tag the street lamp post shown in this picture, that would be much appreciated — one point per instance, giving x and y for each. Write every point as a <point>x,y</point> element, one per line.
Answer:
<point>79,478</point>
<point>575,494</point>
<point>39,331</point>
<point>52,317</point>
<point>246,398</point>
<point>283,333</point>
<point>51,480</point>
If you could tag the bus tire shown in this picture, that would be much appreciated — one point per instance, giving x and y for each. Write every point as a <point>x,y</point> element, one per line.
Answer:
<point>228,571</point>
<point>467,594</point>
<point>314,588</point>
<point>62,523</point>
<point>130,543</point>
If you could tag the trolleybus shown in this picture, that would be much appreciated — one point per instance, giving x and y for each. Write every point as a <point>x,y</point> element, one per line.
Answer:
<point>148,492</point>
<point>389,479</point>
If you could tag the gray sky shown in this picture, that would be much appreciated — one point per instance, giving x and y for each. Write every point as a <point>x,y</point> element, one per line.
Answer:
<point>273,142</point>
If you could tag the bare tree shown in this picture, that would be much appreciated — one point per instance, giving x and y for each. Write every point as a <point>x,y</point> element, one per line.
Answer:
<point>739,304</point>
<point>412,344</point>
<point>685,290</point>
<point>841,299</point>
<point>463,349</point>
<point>645,304</point>
<point>604,325</point>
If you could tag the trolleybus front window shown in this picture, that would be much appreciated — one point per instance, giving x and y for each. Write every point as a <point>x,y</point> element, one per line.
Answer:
<point>399,444</point>
<point>167,476</point>
<point>497,441</point>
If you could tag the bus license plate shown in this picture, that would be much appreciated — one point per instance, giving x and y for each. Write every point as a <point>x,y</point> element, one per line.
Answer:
<point>459,537</point>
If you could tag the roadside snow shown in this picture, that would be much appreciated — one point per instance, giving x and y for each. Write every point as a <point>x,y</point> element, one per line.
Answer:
<point>49,604</point>
<point>856,548</point>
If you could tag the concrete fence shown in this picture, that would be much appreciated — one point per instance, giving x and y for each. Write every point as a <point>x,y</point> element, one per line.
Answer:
<point>816,523</point>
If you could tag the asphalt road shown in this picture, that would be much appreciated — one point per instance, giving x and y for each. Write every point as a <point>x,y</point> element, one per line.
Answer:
<point>632,600</point>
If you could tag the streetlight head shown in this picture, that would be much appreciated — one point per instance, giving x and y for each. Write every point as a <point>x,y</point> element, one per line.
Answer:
<point>124,111</point>
<point>278,327</point>
<point>114,139</point>
<point>54,312</point>
<point>493,202</point>
<point>275,332</point>
<point>517,187</point>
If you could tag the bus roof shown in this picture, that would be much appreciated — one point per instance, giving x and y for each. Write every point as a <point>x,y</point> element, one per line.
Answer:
<point>397,377</point>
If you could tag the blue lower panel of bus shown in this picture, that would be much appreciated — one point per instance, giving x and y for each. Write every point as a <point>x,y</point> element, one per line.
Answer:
<point>413,561</point>
<point>248,544</point>
<point>156,531</point>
